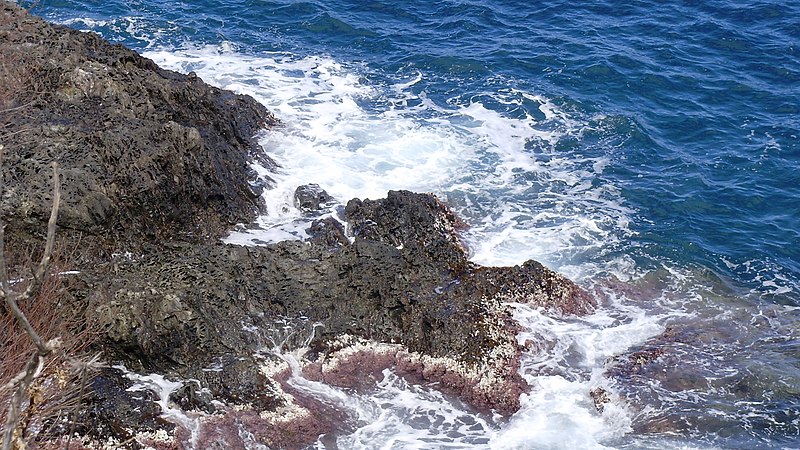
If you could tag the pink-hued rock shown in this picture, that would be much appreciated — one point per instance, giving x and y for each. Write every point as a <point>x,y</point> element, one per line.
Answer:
<point>359,365</point>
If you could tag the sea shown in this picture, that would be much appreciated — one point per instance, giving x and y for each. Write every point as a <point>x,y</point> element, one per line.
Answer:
<point>648,150</point>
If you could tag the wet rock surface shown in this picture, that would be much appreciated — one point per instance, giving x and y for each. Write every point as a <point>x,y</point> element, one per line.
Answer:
<point>110,408</point>
<point>155,169</point>
<point>178,308</point>
<point>327,232</point>
<point>311,198</point>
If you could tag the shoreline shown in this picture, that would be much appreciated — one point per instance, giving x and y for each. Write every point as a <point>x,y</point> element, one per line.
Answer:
<point>156,168</point>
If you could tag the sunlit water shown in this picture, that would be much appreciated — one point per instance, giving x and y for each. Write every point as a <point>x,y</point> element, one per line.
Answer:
<point>649,152</point>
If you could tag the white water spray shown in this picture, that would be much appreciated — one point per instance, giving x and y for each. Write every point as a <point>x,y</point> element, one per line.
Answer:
<point>520,207</point>
<point>164,388</point>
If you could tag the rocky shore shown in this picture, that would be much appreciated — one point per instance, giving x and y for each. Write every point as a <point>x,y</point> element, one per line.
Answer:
<point>156,168</point>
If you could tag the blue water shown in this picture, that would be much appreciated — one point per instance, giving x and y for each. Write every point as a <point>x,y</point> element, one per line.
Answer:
<point>681,120</point>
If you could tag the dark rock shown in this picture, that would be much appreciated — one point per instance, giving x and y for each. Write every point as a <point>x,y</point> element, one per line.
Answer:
<point>146,153</point>
<point>178,308</point>
<point>182,309</point>
<point>599,398</point>
<point>416,223</point>
<point>110,409</point>
<point>234,379</point>
<point>327,232</point>
<point>311,198</point>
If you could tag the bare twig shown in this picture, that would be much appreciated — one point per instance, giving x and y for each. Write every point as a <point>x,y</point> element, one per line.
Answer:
<point>5,285</point>
<point>12,298</point>
<point>31,372</point>
<point>34,367</point>
<point>16,108</point>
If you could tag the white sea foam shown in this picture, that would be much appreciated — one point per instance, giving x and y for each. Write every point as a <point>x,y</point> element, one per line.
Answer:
<point>416,417</point>
<point>360,140</point>
<point>123,28</point>
<point>359,408</point>
<point>569,363</point>
<point>85,23</point>
<point>164,388</point>
<point>501,171</point>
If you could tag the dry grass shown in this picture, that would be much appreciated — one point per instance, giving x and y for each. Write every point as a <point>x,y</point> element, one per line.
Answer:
<point>42,311</point>
<point>55,394</point>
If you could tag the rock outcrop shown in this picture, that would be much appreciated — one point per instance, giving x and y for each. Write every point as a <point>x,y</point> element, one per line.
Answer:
<point>180,307</point>
<point>147,154</point>
<point>156,167</point>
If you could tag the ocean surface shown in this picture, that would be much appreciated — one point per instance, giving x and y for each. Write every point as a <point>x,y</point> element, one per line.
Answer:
<point>648,150</point>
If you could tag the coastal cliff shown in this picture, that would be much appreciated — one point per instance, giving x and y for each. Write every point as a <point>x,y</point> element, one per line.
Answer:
<point>156,169</point>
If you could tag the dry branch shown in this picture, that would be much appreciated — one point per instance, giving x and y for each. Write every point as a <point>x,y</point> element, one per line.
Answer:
<point>33,369</point>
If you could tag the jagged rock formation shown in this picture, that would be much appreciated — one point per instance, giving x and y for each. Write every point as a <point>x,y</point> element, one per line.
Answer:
<point>184,305</point>
<point>146,153</point>
<point>155,169</point>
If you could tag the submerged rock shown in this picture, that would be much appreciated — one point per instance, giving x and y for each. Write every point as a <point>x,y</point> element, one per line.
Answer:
<point>311,198</point>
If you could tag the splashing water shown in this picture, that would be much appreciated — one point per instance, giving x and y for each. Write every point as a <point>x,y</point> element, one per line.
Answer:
<point>635,210</point>
<point>359,140</point>
<point>163,388</point>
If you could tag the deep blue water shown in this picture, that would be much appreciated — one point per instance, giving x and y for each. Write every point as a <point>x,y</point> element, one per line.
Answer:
<point>705,96</point>
<point>693,107</point>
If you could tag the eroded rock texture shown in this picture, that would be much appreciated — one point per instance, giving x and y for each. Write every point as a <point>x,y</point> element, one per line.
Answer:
<point>408,282</point>
<point>145,153</point>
